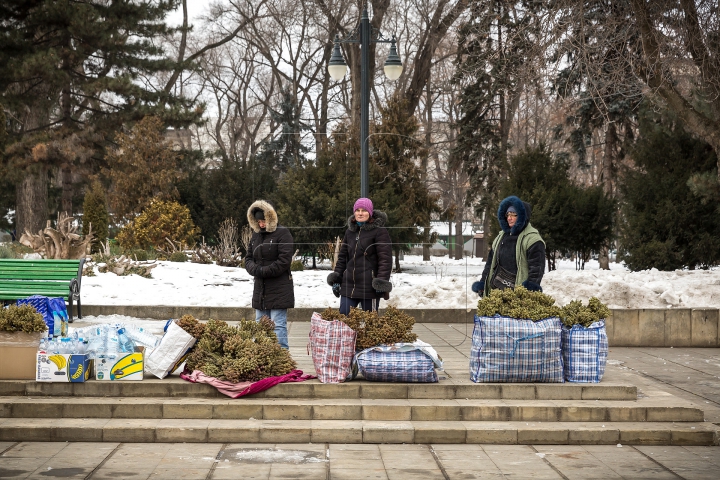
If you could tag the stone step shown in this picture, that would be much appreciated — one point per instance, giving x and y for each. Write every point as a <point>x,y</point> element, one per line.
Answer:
<point>447,389</point>
<point>354,431</point>
<point>643,410</point>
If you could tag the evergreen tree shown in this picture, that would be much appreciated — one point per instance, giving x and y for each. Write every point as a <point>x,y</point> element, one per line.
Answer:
<point>570,218</point>
<point>396,184</point>
<point>285,151</point>
<point>213,194</point>
<point>71,74</point>
<point>666,226</point>
<point>143,167</point>
<point>95,213</point>
<point>496,52</point>
<point>315,200</point>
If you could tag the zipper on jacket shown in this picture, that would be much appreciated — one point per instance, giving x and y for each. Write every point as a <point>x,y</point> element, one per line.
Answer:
<point>357,240</point>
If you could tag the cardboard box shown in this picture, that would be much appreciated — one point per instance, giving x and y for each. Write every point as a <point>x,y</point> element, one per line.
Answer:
<point>127,366</point>
<point>17,355</point>
<point>62,367</point>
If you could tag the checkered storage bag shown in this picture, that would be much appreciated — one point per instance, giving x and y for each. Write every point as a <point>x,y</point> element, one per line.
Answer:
<point>585,352</point>
<point>379,365</point>
<point>332,345</point>
<point>42,305</point>
<point>516,350</point>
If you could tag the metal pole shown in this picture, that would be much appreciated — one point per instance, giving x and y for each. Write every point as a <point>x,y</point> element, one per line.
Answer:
<point>364,101</point>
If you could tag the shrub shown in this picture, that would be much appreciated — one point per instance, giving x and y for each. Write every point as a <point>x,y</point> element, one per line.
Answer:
<point>137,254</point>
<point>21,319</point>
<point>6,252</point>
<point>179,257</point>
<point>95,213</point>
<point>297,266</point>
<point>157,222</point>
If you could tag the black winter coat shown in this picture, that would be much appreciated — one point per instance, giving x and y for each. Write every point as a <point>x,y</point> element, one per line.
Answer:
<point>268,260</point>
<point>365,253</point>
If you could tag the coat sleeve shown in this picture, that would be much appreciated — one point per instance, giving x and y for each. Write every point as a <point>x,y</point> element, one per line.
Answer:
<point>488,264</point>
<point>250,265</point>
<point>384,252</point>
<point>536,262</point>
<point>342,256</point>
<point>285,254</point>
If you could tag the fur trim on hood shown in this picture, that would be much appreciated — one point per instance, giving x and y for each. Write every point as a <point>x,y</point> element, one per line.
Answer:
<point>523,210</point>
<point>379,219</point>
<point>271,218</point>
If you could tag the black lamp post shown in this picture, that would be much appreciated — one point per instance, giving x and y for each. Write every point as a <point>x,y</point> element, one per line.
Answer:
<point>364,35</point>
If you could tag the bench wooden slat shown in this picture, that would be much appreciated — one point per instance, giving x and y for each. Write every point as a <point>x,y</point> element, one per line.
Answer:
<point>21,278</point>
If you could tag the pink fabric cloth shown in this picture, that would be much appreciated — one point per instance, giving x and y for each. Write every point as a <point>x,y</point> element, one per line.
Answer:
<point>237,390</point>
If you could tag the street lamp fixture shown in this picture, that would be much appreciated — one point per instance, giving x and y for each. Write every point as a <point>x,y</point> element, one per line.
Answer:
<point>364,34</point>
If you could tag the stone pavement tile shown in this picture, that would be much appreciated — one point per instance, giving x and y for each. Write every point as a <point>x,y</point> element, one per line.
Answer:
<point>711,454</point>
<point>188,472</point>
<point>142,456</point>
<point>358,473</point>
<point>44,473</point>
<point>682,462</point>
<point>19,467</point>
<point>191,454</point>
<point>470,460</point>
<point>313,472</point>
<point>629,463</point>
<point>35,449</point>
<point>519,461</point>
<point>228,471</point>
<point>574,462</point>
<point>5,445</point>
<point>126,473</point>
<point>413,461</point>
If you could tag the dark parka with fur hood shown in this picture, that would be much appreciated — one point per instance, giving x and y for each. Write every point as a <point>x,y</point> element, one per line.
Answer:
<point>365,261</point>
<point>268,260</point>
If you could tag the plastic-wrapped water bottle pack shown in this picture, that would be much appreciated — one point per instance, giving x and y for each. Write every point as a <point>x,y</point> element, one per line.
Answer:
<point>111,341</point>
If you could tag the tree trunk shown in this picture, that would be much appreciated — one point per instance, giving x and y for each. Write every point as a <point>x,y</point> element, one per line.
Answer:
<point>459,245</point>
<point>450,240</point>
<point>608,178</point>
<point>426,245</point>
<point>397,259</point>
<point>486,234</point>
<point>31,203</point>
<point>67,191</point>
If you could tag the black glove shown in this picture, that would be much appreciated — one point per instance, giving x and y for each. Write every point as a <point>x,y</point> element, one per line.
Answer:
<point>532,286</point>
<point>334,278</point>
<point>336,289</point>
<point>381,286</point>
<point>478,287</point>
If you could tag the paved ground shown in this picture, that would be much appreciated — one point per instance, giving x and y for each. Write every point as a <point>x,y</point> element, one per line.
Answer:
<point>689,373</point>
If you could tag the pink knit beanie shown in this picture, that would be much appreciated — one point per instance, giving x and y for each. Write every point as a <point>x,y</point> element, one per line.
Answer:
<point>365,203</point>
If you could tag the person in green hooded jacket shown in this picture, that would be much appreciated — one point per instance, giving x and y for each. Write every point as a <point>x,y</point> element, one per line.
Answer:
<point>517,256</point>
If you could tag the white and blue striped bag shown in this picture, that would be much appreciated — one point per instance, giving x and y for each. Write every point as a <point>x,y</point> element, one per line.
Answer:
<point>585,352</point>
<point>402,362</point>
<point>508,349</point>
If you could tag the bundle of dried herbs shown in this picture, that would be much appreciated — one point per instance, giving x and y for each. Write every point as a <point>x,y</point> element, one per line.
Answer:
<point>247,352</point>
<point>393,326</point>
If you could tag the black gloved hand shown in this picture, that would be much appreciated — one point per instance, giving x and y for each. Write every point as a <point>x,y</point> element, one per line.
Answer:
<point>336,289</point>
<point>478,287</point>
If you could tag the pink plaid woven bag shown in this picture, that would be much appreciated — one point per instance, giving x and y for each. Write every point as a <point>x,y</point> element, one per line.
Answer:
<point>332,345</point>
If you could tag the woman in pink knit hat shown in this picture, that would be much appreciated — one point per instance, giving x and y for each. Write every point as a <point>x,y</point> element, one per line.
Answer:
<point>362,273</point>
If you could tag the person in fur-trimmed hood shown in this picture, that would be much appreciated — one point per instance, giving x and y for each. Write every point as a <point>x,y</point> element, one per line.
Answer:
<point>362,273</point>
<point>268,259</point>
<point>517,256</point>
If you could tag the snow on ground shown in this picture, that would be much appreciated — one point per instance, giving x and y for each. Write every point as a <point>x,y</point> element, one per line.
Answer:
<point>439,283</point>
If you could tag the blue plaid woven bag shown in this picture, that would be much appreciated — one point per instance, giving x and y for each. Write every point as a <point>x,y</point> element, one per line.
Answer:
<point>585,352</point>
<point>396,366</point>
<point>508,349</point>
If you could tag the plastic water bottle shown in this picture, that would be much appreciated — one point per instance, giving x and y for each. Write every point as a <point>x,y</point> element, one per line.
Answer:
<point>141,336</point>
<point>112,349</point>
<point>126,345</point>
<point>43,345</point>
<point>80,346</point>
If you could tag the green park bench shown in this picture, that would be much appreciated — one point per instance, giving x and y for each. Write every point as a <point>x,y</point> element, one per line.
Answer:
<point>51,278</point>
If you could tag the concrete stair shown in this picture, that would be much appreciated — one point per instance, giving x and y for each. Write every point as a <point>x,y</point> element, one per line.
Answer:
<point>173,410</point>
